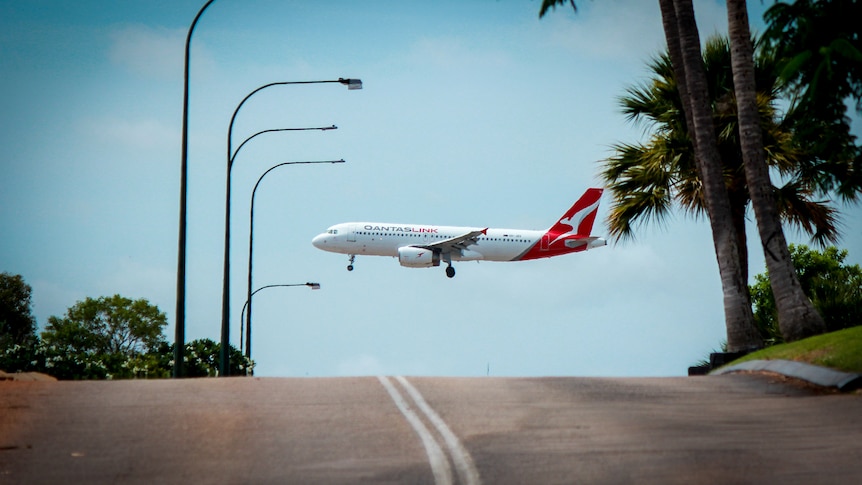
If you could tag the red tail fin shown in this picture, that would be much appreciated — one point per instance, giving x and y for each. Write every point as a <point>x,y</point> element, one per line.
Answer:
<point>571,233</point>
<point>579,219</point>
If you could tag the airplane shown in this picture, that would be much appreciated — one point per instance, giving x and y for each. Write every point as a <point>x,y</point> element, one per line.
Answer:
<point>425,246</point>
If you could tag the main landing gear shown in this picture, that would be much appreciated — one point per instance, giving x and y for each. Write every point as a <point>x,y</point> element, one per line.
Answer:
<point>450,271</point>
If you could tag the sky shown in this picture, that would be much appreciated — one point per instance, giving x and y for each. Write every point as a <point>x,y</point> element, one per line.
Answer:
<point>472,113</point>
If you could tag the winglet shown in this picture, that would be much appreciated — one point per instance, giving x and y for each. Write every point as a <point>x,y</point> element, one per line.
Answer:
<point>485,231</point>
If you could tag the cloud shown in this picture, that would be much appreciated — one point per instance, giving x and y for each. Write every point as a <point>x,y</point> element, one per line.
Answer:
<point>630,33</point>
<point>147,51</point>
<point>451,54</point>
<point>625,30</point>
<point>130,133</point>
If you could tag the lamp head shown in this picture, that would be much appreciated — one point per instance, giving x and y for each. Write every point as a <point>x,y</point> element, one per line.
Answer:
<point>351,83</point>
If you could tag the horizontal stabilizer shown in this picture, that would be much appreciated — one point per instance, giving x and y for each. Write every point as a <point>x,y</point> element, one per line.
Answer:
<point>593,242</point>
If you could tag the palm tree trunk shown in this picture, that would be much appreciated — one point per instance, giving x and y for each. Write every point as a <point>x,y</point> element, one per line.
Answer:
<point>742,334</point>
<point>674,50</point>
<point>738,201</point>
<point>738,204</point>
<point>796,315</point>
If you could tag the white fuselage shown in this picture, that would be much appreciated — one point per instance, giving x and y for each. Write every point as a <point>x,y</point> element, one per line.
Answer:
<point>384,239</point>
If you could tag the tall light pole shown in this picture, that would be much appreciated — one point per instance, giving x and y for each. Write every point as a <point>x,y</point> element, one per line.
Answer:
<point>251,246</point>
<point>274,130</point>
<point>224,362</point>
<point>313,286</point>
<point>180,333</point>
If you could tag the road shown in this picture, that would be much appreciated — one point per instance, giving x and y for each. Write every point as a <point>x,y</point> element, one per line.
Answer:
<point>742,428</point>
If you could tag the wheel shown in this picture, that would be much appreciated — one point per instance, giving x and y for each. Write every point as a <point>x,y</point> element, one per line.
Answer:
<point>450,271</point>
<point>349,267</point>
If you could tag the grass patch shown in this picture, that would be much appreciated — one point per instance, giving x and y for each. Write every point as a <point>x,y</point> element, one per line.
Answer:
<point>841,350</point>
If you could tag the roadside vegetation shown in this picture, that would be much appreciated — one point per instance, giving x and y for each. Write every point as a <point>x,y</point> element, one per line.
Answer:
<point>99,338</point>
<point>841,350</point>
<point>835,290</point>
<point>833,286</point>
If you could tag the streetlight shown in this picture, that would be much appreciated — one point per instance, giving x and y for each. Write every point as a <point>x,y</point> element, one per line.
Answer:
<point>224,366</point>
<point>224,363</point>
<point>274,130</point>
<point>313,286</point>
<point>180,333</point>
<point>251,246</point>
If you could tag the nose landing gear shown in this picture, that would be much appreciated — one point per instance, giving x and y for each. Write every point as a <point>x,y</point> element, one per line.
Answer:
<point>350,266</point>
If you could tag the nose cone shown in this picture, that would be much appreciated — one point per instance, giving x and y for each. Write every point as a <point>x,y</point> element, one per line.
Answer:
<point>319,241</point>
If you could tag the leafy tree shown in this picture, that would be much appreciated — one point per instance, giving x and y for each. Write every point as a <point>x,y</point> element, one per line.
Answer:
<point>835,290</point>
<point>202,359</point>
<point>105,338</point>
<point>819,44</point>
<point>109,337</point>
<point>17,325</point>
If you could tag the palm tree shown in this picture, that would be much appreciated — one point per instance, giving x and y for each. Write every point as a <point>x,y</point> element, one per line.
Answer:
<point>552,4</point>
<point>680,27</point>
<point>797,317</point>
<point>681,30</point>
<point>647,180</point>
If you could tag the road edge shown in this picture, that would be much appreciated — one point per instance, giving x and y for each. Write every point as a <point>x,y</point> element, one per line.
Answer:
<point>814,374</point>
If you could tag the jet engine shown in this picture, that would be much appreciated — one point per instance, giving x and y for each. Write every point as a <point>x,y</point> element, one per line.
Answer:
<point>413,257</point>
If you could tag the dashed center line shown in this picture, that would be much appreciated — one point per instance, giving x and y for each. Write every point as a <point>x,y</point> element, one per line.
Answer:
<point>467,472</point>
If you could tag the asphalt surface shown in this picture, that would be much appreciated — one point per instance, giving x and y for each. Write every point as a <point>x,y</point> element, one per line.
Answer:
<point>737,428</point>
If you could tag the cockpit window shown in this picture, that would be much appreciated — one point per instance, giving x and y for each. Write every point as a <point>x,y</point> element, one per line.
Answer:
<point>333,231</point>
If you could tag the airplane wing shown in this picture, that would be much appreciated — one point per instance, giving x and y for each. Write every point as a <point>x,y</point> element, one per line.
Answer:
<point>457,243</point>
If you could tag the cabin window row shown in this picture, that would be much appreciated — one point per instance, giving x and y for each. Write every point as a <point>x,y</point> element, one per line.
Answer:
<point>365,233</point>
<point>502,239</point>
<point>403,234</point>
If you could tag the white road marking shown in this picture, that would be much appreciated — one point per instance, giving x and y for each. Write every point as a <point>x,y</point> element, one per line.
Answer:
<point>436,457</point>
<point>467,472</point>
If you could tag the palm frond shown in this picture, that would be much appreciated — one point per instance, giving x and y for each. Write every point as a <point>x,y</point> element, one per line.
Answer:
<point>815,218</point>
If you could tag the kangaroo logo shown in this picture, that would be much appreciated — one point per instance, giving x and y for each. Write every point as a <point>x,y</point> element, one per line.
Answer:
<point>574,221</point>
